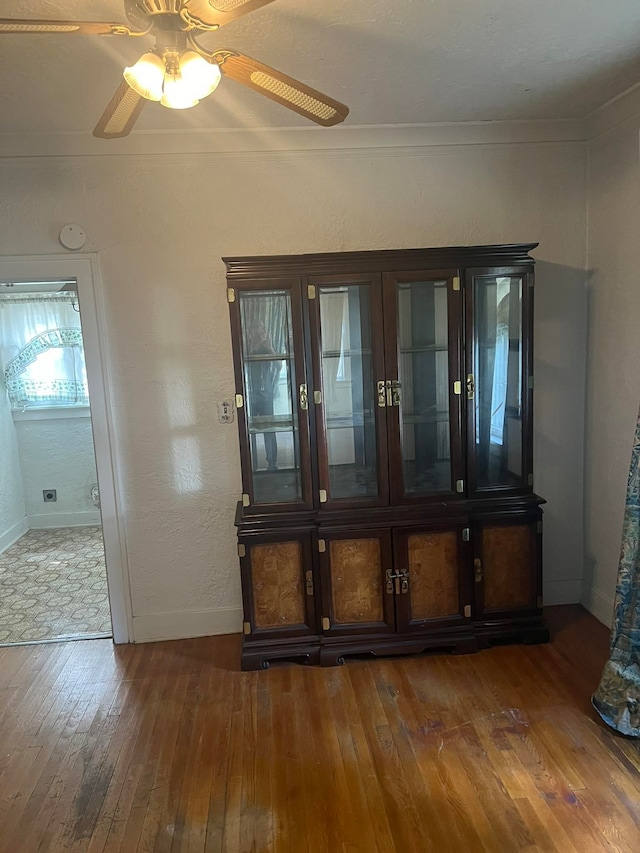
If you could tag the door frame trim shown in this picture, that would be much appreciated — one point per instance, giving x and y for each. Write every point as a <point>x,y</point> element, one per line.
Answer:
<point>85,270</point>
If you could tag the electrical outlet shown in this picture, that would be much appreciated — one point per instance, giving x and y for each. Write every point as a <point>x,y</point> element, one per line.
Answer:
<point>225,412</point>
<point>49,495</point>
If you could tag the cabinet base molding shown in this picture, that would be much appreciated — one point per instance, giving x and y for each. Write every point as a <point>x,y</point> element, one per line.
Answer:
<point>261,655</point>
<point>334,651</point>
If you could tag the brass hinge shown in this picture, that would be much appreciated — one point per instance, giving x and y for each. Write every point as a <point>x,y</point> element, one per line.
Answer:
<point>317,397</point>
<point>242,550</point>
<point>457,387</point>
<point>530,383</point>
<point>245,499</point>
<point>231,294</point>
<point>459,486</point>
<point>465,534</point>
<point>239,401</point>
<point>322,545</point>
<point>323,496</point>
<point>456,282</point>
<point>477,569</point>
<point>325,624</point>
<point>467,611</point>
<point>311,291</point>
<point>530,479</point>
<point>246,627</point>
<point>309,582</point>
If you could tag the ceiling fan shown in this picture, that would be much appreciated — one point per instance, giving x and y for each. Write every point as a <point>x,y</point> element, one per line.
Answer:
<point>177,71</point>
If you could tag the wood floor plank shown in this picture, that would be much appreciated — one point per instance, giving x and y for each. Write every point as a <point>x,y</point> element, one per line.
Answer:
<point>169,748</point>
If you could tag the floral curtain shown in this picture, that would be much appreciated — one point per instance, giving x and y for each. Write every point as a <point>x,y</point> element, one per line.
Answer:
<point>617,698</point>
<point>41,350</point>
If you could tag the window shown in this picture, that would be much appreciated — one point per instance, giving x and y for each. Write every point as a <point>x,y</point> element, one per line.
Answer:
<point>42,351</point>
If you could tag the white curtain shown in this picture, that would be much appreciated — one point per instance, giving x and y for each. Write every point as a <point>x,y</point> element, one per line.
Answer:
<point>41,350</point>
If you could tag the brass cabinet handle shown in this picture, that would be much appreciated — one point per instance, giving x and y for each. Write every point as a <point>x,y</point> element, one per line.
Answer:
<point>471,386</point>
<point>404,581</point>
<point>395,392</point>
<point>309,582</point>
<point>380,388</point>
<point>304,399</point>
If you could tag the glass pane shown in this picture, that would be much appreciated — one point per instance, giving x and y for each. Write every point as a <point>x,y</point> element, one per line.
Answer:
<point>423,372</point>
<point>271,395</point>
<point>348,391</point>
<point>498,380</point>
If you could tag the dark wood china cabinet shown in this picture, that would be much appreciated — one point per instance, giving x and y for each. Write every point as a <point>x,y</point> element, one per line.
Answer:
<point>384,404</point>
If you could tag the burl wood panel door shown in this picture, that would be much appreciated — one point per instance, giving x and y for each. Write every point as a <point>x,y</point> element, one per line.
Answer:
<point>433,589</point>
<point>507,567</point>
<point>355,594</point>
<point>279,587</point>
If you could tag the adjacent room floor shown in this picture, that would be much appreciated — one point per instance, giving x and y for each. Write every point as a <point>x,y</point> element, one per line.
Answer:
<point>53,586</point>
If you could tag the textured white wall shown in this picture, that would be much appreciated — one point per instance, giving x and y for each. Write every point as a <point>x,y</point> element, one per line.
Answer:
<point>12,507</point>
<point>613,383</point>
<point>160,226</point>
<point>57,454</point>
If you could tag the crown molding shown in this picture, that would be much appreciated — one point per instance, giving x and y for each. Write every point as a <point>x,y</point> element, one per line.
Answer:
<point>274,140</point>
<point>615,115</point>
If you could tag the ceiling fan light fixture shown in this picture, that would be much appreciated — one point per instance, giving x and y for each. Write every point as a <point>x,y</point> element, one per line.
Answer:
<point>201,76</point>
<point>146,77</point>
<point>177,94</point>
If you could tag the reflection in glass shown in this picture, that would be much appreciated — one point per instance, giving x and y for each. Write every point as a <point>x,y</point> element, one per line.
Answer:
<point>498,380</point>
<point>271,403</point>
<point>423,372</point>
<point>348,391</point>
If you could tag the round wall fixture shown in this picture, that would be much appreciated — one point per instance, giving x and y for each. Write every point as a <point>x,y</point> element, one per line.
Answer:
<point>73,237</point>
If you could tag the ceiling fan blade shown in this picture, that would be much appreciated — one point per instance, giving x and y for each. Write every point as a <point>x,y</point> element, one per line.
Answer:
<point>92,28</point>
<point>280,87</point>
<point>211,14</point>
<point>121,114</point>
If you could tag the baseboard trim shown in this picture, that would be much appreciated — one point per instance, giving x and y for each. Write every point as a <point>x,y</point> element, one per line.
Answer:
<point>182,625</point>
<point>15,532</point>
<point>562,592</point>
<point>601,606</point>
<point>50,520</point>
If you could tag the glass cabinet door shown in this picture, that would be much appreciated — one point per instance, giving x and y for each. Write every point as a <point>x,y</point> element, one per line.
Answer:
<point>347,345</point>
<point>423,350</point>
<point>275,447</point>
<point>498,388</point>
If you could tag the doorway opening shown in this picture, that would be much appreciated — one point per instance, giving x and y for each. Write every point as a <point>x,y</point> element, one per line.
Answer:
<point>62,556</point>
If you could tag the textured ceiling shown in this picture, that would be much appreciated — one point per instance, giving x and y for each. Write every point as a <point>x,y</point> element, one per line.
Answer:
<point>397,62</point>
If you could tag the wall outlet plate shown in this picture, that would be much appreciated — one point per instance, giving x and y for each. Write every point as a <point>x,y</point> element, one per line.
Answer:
<point>49,495</point>
<point>225,412</point>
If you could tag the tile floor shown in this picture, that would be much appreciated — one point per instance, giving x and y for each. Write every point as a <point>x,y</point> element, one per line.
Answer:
<point>53,586</point>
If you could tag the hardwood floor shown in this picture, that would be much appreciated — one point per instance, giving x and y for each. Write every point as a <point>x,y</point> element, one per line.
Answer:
<point>168,747</point>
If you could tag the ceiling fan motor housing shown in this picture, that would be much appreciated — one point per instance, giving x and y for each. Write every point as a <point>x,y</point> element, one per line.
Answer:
<point>139,11</point>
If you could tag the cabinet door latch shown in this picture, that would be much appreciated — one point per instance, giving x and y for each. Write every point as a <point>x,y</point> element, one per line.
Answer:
<point>471,386</point>
<point>309,582</point>
<point>397,582</point>
<point>477,569</point>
